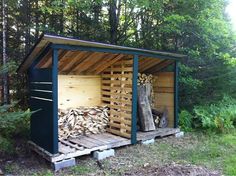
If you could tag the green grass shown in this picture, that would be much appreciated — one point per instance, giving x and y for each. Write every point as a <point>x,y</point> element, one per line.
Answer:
<point>81,170</point>
<point>214,151</point>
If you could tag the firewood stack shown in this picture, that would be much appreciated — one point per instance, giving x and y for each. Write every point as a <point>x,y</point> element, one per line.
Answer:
<point>144,79</point>
<point>82,121</point>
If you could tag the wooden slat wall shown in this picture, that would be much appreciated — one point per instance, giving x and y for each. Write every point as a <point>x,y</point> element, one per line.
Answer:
<point>164,94</point>
<point>117,94</point>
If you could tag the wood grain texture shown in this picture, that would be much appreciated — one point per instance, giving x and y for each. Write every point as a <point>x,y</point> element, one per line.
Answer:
<point>77,90</point>
<point>164,94</point>
<point>117,94</point>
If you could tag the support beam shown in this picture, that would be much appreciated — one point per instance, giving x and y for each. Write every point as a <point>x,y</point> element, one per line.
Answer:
<point>40,56</point>
<point>55,100</point>
<point>86,63</point>
<point>116,51</point>
<point>75,59</point>
<point>134,100</point>
<point>148,63</point>
<point>176,96</point>
<point>109,63</point>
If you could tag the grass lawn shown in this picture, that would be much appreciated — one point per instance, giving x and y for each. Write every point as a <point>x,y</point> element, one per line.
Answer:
<point>215,152</point>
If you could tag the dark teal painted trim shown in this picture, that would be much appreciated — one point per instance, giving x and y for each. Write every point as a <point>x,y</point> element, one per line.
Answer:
<point>176,96</point>
<point>55,99</point>
<point>40,56</point>
<point>134,100</point>
<point>110,50</point>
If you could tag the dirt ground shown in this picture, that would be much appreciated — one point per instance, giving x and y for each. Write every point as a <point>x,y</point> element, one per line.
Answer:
<point>173,170</point>
<point>139,160</point>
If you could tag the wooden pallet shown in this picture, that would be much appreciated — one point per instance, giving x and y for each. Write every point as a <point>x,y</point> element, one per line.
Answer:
<point>83,145</point>
<point>160,132</point>
<point>117,95</point>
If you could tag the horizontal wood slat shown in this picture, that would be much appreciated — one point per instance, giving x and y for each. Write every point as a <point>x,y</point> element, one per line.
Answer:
<point>117,94</point>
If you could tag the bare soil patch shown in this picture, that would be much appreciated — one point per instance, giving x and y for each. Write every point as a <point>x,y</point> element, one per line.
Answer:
<point>174,170</point>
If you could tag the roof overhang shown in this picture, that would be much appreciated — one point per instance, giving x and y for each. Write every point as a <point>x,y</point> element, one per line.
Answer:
<point>45,40</point>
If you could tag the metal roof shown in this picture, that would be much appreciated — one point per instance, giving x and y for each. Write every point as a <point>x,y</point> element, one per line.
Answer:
<point>47,39</point>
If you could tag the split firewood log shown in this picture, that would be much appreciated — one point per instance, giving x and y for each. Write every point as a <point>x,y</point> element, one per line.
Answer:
<point>82,121</point>
<point>144,79</point>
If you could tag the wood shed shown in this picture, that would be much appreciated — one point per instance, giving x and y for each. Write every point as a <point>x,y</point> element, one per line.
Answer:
<point>67,75</point>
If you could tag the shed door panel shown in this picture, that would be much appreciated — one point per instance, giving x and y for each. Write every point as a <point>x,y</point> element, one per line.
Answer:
<point>40,85</point>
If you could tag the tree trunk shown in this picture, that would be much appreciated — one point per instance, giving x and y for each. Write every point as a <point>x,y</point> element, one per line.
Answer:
<point>114,15</point>
<point>4,55</point>
<point>27,27</point>
<point>36,21</point>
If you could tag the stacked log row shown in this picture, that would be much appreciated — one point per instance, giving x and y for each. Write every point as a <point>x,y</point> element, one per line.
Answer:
<point>144,79</point>
<point>82,121</point>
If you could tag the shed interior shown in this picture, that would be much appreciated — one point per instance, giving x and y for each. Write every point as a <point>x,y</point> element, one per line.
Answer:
<point>94,79</point>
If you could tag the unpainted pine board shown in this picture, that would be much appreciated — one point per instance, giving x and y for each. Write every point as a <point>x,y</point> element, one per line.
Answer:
<point>72,145</point>
<point>76,153</point>
<point>117,119</point>
<point>127,69</point>
<point>120,94</point>
<point>148,64</point>
<point>106,58</point>
<point>88,62</point>
<point>48,62</point>
<point>44,59</point>
<point>103,138</point>
<point>126,102</point>
<point>83,142</point>
<point>163,89</point>
<point>94,141</point>
<point>124,114</point>
<point>109,63</point>
<point>71,61</point>
<point>120,126</point>
<point>164,99</point>
<point>100,138</point>
<point>62,59</point>
<point>117,81</point>
<point>123,89</point>
<point>126,108</point>
<point>119,133</point>
<point>157,68</point>
<point>125,75</point>
<point>65,149</point>
<point>78,90</point>
<point>164,79</point>
<point>36,52</point>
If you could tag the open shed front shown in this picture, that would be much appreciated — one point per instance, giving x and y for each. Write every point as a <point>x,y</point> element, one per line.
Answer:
<point>67,73</point>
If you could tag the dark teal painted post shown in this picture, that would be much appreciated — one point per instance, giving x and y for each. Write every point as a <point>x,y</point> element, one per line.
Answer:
<point>176,96</point>
<point>134,100</point>
<point>55,99</point>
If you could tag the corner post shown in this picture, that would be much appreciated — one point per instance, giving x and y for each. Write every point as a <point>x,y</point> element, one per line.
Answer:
<point>134,100</point>
<point>55,100</point>
<point>176,95</point>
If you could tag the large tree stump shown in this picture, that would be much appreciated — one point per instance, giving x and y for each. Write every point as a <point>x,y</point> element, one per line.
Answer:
<point>144,107</point>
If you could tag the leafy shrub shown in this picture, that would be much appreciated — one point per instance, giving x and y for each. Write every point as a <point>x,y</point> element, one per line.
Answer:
<point>219,117</point>
<point>185,120</point>
<point>13,121</point>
